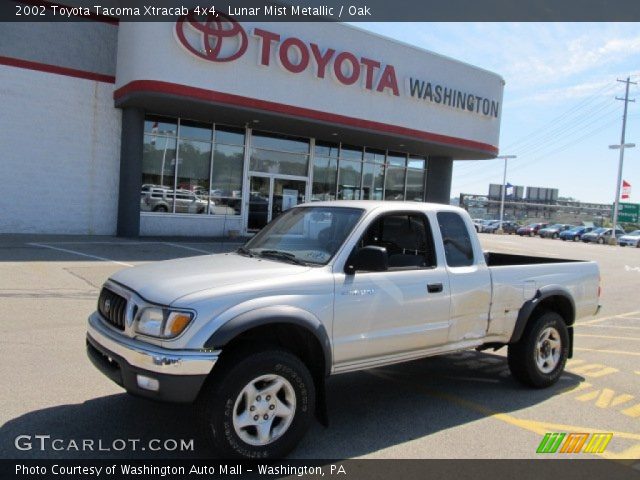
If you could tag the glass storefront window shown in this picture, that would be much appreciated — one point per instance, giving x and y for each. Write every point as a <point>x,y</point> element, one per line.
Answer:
<point>158,174</point>
<point>324,179</point>
<point>397,159</point>
<point>349,178</point>
<point>415,185</point>
<point>416,162</point>
<point>283,143</point>
<point>394,183</point>
<point>229,135</point>
<point>269,161</point>
<point>196,130</point>
<point>156,125</point>
<point>226,181</point>
<point>193,176</point>
<point>177,173</point>
<point>327,149</point>
<point>372,181</point>
<point>195,167</point>
<point>375,156</point>
<point>350,152</point>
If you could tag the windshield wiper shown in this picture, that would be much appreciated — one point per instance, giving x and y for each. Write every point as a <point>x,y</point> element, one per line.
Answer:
<point>244,251</point>
<point>280,255</point>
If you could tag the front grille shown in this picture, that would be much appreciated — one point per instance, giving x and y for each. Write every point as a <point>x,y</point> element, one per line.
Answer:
<point>112,307</point>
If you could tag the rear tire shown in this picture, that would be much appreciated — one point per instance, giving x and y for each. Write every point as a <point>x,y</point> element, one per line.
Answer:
<point>272,385</point>
<point>539,357</point>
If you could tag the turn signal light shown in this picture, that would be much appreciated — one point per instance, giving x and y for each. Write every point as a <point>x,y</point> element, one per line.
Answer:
<point>176,323</point>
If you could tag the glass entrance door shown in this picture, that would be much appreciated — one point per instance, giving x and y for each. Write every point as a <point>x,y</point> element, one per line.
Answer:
<point>270,196</point>
<point>286,194</point>
<point>259,203</point>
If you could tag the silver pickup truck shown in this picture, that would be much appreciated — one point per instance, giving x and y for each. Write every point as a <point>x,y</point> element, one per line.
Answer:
<point>327,288</point>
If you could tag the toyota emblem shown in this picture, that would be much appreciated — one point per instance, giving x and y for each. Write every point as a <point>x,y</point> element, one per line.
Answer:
<point>217,38</point>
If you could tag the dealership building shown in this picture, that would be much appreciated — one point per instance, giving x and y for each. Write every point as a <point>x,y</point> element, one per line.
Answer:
<point>213,127</point>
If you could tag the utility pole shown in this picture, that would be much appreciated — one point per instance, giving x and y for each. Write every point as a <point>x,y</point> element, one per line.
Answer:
<point>616,205</point>
<point>504,189</point>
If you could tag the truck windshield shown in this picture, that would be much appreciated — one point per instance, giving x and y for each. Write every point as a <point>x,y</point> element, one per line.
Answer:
<point>304,235</point>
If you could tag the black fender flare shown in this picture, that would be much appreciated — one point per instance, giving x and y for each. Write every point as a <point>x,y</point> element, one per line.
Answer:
<point>270,316</point>
<point>530,305</point>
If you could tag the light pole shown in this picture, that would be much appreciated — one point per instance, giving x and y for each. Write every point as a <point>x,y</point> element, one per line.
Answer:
<point>613,240</point>
<point>504,189</point>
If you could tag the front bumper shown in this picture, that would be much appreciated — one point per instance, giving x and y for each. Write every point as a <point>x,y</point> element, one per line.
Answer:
<point>148,370</point>
<point>628,243</point>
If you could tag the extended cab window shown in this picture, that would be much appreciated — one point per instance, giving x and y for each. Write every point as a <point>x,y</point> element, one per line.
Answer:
<point>407,238</point>
<point>457,242</point>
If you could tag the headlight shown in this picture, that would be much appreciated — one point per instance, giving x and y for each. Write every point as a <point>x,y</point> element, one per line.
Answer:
<point>162,322</point>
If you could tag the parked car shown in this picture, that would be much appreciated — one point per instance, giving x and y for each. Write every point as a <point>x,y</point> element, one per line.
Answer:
<point>225,332</point>
<point>510,227</point>
<point>601,235</point>
<point>160,199</point>
<point>632,239</point>
<point>575,233</point>
<point>477,223</point>
<point>553,231</point>
<point>490,226</point>
<point>531,230</point>
<point>507,227</point>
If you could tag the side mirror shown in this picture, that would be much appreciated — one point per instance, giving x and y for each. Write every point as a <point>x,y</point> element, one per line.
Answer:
<point>368,259</point>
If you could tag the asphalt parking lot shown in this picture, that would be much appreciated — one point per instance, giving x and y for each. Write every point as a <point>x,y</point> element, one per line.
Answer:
<point>463,405</point>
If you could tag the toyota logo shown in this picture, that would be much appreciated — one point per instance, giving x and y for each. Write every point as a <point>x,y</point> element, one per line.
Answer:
<point>218,38</point>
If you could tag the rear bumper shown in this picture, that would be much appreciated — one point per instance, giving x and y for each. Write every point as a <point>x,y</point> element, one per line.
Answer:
<point>147,370</point>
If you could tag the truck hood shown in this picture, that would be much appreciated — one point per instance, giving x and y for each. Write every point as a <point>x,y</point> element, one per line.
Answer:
<point>165,282</point>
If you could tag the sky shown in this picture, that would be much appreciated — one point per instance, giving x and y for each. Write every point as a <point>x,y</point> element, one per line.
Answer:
<point>559,112</point>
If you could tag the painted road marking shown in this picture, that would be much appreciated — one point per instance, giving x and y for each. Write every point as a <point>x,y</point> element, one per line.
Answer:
<point>594,370</point>
<point>177,245</point>
<point>605,398</point>
<point>610,326</point>
<point>602,319</point>
<point>615,352</point>
<point>605,336</point>
<point>73,252</point>
<point>632,411</point>
<point>541,428</point>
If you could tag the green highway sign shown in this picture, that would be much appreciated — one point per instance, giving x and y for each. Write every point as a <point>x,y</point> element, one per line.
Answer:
<point>629,213</point>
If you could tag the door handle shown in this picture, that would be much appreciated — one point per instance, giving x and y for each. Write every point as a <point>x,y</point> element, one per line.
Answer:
<point>434,287</point>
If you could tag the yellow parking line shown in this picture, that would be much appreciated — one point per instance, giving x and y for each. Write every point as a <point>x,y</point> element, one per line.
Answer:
<point>608,326</point>
<point>606,336</point>
<point>617,352</point>
<point>602,319</point>
<point>531,425</point>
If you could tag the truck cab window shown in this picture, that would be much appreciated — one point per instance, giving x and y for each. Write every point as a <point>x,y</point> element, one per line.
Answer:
<point>407,238</point>
<point>455,237</point>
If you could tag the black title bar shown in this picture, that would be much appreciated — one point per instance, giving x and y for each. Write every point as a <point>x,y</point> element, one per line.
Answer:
<point>115,11</point>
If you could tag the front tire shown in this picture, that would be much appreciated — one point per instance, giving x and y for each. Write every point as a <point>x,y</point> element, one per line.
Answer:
<point>539,357</point>
<point>601,241</point>
<point>259,405</point>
